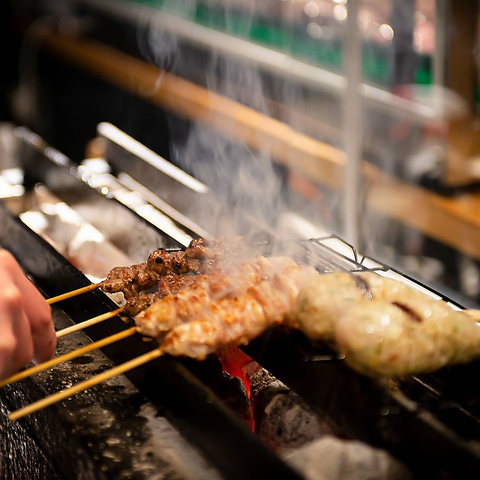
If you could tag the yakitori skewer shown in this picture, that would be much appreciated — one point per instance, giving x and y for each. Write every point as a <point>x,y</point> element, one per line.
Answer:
<point>201,256</point>
<point>80,387</point>
<point>68,356</point>
<point>249,276</point>
<point>88,323</point>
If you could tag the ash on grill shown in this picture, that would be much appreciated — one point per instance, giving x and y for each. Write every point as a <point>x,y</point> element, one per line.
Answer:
<point>306,440</point>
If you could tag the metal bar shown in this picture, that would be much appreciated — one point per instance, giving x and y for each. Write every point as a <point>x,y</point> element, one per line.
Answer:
<point>353,130</point>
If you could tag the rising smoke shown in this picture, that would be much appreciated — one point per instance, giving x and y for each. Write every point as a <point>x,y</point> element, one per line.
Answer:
<point>247,179</point>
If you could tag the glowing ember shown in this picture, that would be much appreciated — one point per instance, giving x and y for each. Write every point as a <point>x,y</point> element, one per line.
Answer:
<point>235,363</point>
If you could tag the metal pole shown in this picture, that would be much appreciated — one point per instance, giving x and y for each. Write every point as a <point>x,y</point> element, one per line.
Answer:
<point>353,132</point>
<point>441,35</point>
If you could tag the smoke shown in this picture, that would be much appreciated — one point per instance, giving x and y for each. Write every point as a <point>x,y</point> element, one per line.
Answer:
<point>247,180</point>
<point>250,179</point>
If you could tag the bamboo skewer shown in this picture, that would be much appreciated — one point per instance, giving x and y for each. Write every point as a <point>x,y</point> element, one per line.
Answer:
<point>88,323</point>
<point>80,387</point>
<point>473,314</point>
<point>68,356</point>
<point>73,293</point>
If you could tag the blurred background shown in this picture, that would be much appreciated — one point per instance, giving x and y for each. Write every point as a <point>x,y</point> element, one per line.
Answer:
<point>357,118</point>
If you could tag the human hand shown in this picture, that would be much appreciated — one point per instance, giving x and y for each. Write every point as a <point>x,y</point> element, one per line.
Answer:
<point>26,329</point>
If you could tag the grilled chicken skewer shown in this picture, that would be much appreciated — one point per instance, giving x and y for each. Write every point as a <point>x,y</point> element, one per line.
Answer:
<point>179,307</point>
<point>201,256</point>
<point>166,313</point>
<point>180,296</point>
<point>237,320</point>
<point>139,277</point>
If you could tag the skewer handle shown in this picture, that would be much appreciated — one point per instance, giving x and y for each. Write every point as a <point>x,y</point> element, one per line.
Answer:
<point>88,323</point>
<point>68,356</point>
<point>80,387</point>
<point>73,293</point>
<point>473,314</point>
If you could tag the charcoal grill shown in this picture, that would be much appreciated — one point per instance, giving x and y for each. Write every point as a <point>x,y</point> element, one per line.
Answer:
<point>431,423</point>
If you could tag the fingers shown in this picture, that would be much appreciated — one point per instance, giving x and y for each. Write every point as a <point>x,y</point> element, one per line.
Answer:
<point>44,338</point>
<point>16,344</point>
<point>26,317</point>
<point>39,316</point>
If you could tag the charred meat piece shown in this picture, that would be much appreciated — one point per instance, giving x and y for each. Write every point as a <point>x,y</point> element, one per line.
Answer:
<point>171,284</point>
<point>143,277</point>
<point>129,280</point>
<point>163,262</point>
<point>167,285</point>
<point>134,305</point>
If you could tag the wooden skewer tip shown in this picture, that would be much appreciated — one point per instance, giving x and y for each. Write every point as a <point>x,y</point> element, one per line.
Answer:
<point>473,314</point>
